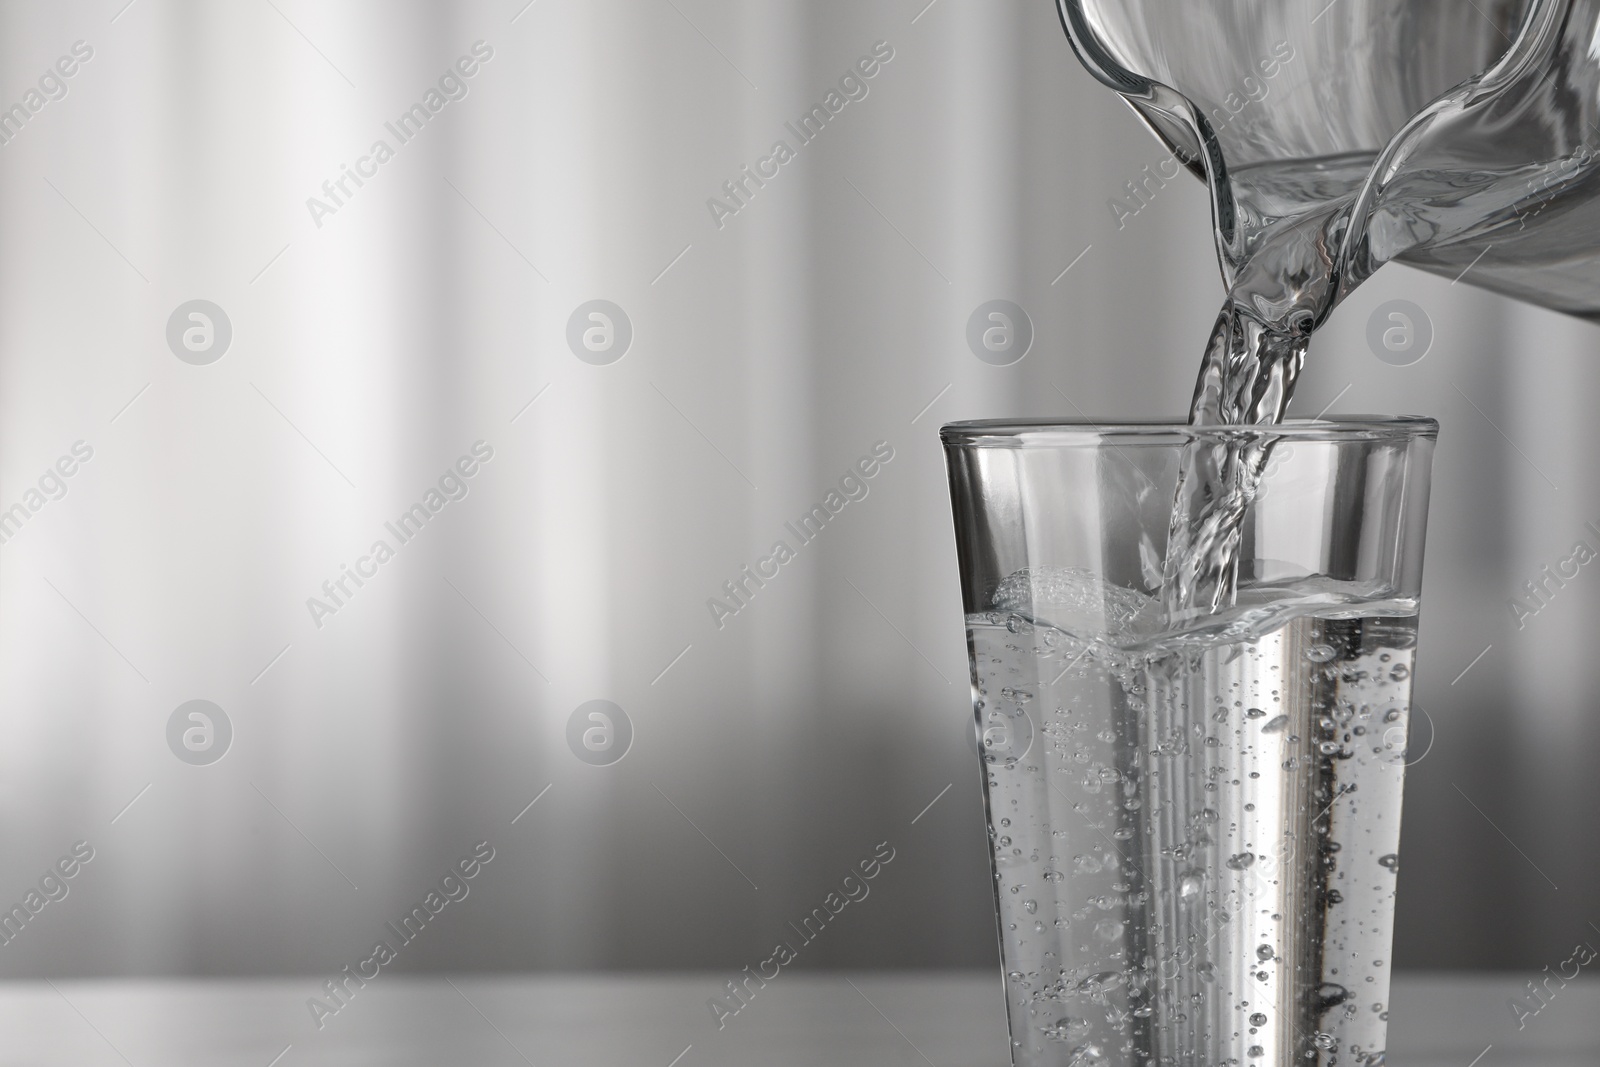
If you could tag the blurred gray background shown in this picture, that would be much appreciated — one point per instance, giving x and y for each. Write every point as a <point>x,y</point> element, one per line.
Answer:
<point>373,344</point>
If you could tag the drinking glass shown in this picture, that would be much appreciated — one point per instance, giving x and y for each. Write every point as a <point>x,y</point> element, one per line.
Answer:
<point>1194,818</point>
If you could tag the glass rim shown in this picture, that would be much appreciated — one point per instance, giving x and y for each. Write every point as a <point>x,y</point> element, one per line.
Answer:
<point>1067,432</point>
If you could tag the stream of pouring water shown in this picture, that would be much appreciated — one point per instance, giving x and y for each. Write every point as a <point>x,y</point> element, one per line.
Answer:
<point>1247,378</point>
<point>1281,231</point>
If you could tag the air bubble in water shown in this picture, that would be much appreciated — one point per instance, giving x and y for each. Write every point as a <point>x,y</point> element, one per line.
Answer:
<point>1391,861</point>
<point>1097,984</point>
<point>1321,653</point>
<point>1258,1019</point>
<point>1264,953</point>
<point>1067,1028</point>
<point>1189,885</point>
<point>1255,713</point>
<point>1240,861</point>
<point>1084,1056</point>
<point>1330,994</point>
<point>1276,725</point>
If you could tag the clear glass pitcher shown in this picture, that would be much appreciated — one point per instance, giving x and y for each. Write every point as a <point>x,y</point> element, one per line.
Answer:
<point>1459,136</point>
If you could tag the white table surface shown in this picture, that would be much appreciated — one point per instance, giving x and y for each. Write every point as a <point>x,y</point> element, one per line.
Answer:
<point>878,1019</point>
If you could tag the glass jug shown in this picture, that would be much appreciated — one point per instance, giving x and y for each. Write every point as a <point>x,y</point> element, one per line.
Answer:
<point>1459,136</point>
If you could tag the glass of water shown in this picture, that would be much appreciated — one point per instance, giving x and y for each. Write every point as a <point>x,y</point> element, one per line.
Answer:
<point>1194,818</point>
